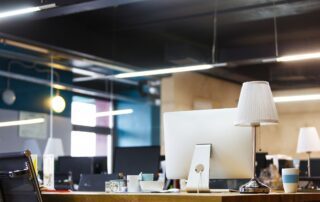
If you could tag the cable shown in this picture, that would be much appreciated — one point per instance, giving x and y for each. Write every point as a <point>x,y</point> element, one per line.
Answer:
<point>275,27</point>
<point>51,97</point>
<point>214,32</point>
<point>33,66</point>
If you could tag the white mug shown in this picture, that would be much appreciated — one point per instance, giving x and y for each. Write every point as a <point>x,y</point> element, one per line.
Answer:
<point>290,179</point>
<point>133,184</point>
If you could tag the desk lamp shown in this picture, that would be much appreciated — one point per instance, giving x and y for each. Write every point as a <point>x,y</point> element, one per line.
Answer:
<point>255,108</point>
<point>308,142</point>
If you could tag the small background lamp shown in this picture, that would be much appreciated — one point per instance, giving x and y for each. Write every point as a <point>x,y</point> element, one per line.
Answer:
<point>308,142</point>
<point>54,146</point>
<point>255,108</point>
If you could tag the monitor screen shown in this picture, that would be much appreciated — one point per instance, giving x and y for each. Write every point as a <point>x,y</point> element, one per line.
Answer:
<point>133,160</point>
<point>315,167</point>
<point>100,164</point>
<point>95,182</point>
<point>76,165</point>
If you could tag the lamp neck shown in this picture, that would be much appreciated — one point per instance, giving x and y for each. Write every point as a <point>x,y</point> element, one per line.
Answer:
<point>254,143</point>
<point>309,166</point>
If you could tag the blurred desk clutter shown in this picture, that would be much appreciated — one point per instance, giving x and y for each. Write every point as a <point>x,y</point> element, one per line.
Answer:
<point>149,182</point>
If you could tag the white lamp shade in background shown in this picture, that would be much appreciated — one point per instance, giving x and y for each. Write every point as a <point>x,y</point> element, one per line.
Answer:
<point>54,146</point>
<point>256,106</point>
<point>308,140</point>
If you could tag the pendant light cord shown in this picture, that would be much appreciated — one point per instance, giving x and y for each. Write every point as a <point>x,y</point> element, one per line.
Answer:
<point>275,27</point>
<point>214,32</point>
<point>51,97</point>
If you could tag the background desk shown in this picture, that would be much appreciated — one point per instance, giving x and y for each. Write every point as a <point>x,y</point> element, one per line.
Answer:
<point>181,197</point>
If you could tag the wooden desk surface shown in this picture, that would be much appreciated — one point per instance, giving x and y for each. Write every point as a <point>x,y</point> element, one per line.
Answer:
<point>178,197</point>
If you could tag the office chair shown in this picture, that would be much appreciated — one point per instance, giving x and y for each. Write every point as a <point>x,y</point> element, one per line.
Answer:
<point>18,181</point>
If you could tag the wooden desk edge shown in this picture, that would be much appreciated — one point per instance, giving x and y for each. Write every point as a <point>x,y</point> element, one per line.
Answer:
<point>176,197</point>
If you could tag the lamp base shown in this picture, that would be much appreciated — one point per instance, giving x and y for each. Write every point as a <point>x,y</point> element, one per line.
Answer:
<point>254,186</point>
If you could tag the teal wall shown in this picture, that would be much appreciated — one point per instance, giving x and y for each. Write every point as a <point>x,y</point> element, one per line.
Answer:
<point>142,127</point>
<point>29,96</point>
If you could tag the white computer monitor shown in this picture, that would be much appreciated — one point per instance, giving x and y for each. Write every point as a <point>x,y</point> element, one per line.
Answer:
<point>231,156</point>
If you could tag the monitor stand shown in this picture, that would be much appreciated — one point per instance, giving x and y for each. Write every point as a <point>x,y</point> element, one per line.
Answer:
<point>198,179</point>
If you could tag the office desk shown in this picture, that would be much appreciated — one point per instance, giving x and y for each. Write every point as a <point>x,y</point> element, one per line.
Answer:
<point>180,197</point>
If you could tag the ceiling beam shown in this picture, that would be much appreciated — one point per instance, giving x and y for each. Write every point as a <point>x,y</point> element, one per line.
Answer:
<point>67,87</point>
<point>82,7</point>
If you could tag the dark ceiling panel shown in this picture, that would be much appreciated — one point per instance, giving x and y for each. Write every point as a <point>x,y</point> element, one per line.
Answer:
<point>163,33</point>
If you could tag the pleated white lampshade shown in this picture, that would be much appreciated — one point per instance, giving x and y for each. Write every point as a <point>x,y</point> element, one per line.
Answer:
<point>256,106</point>
<point>54,146</point>
<point>308,140</point>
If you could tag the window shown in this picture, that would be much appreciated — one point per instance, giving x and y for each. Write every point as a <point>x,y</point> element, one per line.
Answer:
<point>83,144</point>
<point>86,137</point>
<point>83,114</point>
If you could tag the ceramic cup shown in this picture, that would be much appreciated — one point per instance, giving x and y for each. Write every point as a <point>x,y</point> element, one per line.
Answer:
<point>133,184</point>
<point>290,178</point>
<point>147,177</point>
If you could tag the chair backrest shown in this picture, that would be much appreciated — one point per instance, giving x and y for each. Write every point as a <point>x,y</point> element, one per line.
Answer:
<point>18,181</point>
<point>94,182</point>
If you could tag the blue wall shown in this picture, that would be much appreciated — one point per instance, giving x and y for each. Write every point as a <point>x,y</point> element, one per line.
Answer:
<point>142,127</point>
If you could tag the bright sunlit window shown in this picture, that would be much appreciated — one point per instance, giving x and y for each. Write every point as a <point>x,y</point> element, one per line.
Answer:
<point>83,114</point>
<point>83,143</point>
<point>84,140</point>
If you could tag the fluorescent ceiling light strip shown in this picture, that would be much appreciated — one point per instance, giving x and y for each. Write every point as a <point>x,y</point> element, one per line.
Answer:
<point>296,98</point>
<point>21,122</point>
<point>307,56</point>
<point>114,113</point>
<point>169,70</point>
<point>25,10</point>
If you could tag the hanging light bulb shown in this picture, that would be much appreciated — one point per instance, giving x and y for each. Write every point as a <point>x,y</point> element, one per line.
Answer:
<point>58,104</point>
<point>8,96</point>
